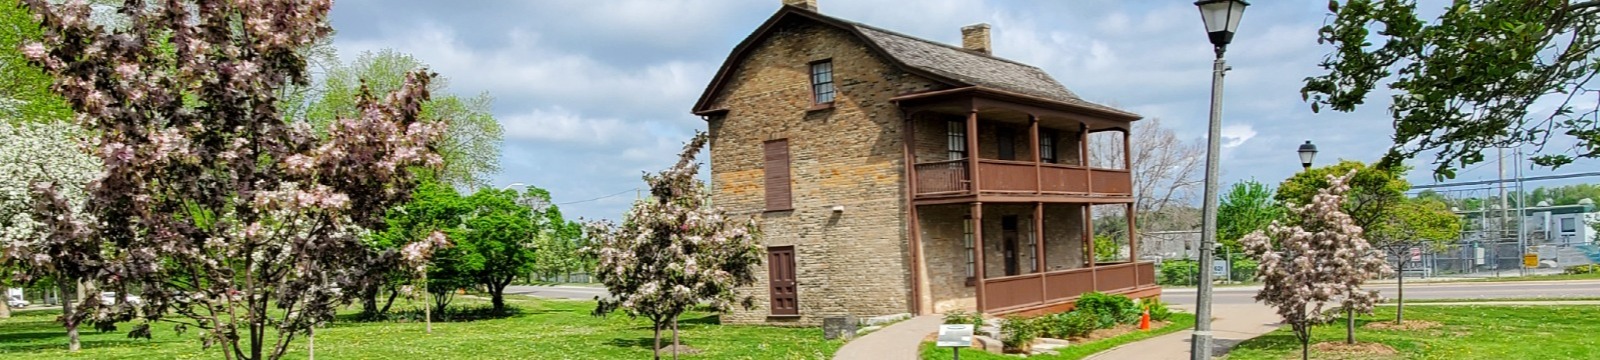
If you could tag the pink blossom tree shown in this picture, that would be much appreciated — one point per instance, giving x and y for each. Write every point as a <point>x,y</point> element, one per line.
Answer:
<point>222,214</point>
<point>1319,257</point>
<point>674,250</point>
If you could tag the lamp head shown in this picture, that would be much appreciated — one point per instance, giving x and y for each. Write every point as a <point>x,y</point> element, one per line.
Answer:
<point>1221,19</point>
<point>1307,152</point>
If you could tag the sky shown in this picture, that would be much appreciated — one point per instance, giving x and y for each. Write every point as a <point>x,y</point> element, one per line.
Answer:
<point>593,93</point>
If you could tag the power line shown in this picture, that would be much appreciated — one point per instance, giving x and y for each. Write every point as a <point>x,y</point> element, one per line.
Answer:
<point>1498,181</point>
<point>600,197</point>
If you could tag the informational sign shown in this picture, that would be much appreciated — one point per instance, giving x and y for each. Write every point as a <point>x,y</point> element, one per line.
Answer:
<point>955,335</point>
<point>1530,260</point>
<point>1219,269</point>
<point>1416,254</point>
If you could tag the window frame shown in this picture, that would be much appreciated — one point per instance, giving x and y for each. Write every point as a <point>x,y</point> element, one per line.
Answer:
<point>968,242</point>
<point>817,85</point>
<point>1047,148</point>
<point>956,139</point>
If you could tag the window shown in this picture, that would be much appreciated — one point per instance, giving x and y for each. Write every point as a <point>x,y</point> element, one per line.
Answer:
<point>776,168</point>
<point>1569,225</point>
<point>966,243</point>
<point>1047,148</point>
<point>822,82</point>
<point>957,131</point>
<point>1033,244</point>
<point>781,281</point>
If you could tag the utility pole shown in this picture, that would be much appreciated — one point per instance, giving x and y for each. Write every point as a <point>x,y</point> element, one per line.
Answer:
<point>1522,211</point>
<point>1505,210</point>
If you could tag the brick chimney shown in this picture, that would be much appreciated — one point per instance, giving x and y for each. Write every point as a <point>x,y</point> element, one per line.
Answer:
<point>975,38</point>
<point>803,4</point>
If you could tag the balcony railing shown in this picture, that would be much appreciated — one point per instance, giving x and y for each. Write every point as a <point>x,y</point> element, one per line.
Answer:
<point>1005,177</point>
<point>1020,292</point>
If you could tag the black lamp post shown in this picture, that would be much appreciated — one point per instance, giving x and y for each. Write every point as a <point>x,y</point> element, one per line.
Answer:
<point>1307,152</point>
<point>1221,19</point>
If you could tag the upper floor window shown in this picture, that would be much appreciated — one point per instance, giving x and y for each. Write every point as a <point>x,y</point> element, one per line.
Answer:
<point>956,139</point>
<point>822,81</point>
<point>1047,148</point>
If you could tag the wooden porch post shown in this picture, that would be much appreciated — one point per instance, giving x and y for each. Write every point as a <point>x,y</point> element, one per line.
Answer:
<point>1133,244</point>
<point>972,149</point>
<point>977,246</point>
<point>1033,139</point>
<point>913,223</point>
<point>1083,151</point>
<point>1088,244</point>
<point>1038,241</point>
<point>1127,150</point>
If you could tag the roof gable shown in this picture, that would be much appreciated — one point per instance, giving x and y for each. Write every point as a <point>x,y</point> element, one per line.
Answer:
<point>939,62</point>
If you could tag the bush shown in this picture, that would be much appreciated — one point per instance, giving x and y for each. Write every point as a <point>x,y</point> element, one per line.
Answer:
<point>1109,309</point>
<point>1017,333</point>
<point>1069,324</point>
<point>1243,270</point>
<point>1158,309</point>
<point>1178,272</point>
<point>1583,269</point>
<point>963,317</point>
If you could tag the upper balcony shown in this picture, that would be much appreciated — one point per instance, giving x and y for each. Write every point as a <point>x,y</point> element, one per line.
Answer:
<point>1024,151</point>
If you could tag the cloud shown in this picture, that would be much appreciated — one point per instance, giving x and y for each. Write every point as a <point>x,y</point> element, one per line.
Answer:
<point>1235,135</point>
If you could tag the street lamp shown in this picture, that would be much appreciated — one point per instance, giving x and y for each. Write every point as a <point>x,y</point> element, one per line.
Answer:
<point>1221,19</point>
<point>508,187</point>
<point>1307,152</point>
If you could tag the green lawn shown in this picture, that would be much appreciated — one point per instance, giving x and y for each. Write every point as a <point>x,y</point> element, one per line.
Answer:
<point>1466,332</point>
<point>544,329</point>
<point>1179,322</point>
<point>1555,277</point>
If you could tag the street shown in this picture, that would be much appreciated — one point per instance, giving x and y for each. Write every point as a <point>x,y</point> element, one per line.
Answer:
<point>1418,291</point>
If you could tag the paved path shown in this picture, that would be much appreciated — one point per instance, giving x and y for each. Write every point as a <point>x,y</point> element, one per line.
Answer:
<point>895,342</point>
<point>1231,324</point>
<point>1420,291</point>
<point>557,292</point>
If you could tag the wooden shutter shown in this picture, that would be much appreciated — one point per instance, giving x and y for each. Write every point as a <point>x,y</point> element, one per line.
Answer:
<point>781,280</point>
<point>777,175</point>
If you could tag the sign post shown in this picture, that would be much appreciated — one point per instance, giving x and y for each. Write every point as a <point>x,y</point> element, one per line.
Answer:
<point>956,336</point>
<point>1220,267</point>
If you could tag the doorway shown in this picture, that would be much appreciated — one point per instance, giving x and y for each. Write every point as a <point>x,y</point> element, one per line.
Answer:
<point>1008,243</point>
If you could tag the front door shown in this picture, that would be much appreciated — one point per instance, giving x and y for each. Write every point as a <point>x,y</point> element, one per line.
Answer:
<point>1008,242</point>
<point>781,281</point>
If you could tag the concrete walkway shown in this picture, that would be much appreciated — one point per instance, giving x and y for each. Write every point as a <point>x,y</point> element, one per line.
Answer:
<point>1231,324</point>
<point>897,341</point>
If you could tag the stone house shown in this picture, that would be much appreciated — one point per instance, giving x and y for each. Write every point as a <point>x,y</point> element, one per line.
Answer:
<point>880,164</point>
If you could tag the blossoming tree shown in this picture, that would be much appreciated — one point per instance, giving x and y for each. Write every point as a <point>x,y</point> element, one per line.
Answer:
<point>674,250</point>
<point>222,214</point>
<point>30,154</point>
<point>1319,257</point>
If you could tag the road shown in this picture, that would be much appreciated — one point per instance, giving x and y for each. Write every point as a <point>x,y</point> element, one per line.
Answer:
<point>1419,291</point>
<point>557,292</point>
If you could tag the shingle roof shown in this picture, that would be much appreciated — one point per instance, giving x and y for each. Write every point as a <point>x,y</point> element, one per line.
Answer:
<point>972,68</point>
<point>950,64</point>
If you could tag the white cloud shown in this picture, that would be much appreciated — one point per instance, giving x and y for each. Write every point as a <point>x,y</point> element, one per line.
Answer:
<point>559,124</point>
<point>1235,135</point>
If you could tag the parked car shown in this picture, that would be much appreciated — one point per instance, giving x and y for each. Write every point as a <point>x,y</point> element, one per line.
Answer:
<point>110,298</point>
<point>16,301</point>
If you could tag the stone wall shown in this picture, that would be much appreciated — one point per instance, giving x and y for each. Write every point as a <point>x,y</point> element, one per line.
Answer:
<point>852,262</point>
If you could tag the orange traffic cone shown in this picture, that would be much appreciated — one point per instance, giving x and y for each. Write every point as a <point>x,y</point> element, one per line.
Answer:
<point>1144,320</point>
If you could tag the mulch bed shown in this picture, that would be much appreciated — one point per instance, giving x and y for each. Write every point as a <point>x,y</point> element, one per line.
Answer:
<point>1115,331</point>
<point>1363,350</point>
<point>1408,325</point>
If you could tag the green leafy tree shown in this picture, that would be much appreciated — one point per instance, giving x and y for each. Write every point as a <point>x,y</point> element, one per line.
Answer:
<point>433,207</point>
<point>1424,224</point>
<point>472,139</point>
<point>25,89</point>
<point>1246,207</point>
<point>675,250</point>
<point>1468,79</point>
<point>498,236</point>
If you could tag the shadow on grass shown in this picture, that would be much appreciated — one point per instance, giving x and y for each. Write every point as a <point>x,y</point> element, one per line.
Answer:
<point>62,345</point>
<point>450,314</point>
<point>643,343</point>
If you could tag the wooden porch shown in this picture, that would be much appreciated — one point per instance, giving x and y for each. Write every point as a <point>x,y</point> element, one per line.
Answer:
<point>1029,292</point>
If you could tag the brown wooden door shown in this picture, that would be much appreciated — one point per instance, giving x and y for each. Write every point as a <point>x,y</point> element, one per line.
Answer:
<point>781,280</point>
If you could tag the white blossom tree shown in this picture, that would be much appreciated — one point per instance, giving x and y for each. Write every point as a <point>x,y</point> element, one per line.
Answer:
<point>225,216</point>
<point>674,250</point>
<point>30,154</point>
<point>1319,257</point>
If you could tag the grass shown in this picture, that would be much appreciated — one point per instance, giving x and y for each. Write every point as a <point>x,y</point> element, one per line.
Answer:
<point>1466,332</point>
<point>542,329</point>
<point>1391,302</point>
<point>1179,321</point>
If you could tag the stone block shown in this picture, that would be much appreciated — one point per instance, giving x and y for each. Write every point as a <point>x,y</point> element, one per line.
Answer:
<point>835,327</point>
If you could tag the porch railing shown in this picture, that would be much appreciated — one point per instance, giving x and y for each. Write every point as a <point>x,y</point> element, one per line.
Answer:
<point>943,177</point>
<point>1063,286</point>
<point>952,177</point>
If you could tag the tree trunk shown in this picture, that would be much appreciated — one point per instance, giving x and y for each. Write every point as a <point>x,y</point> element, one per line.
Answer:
<point>369,300</point>
<point>427,316</point>
<point>67,318</point>
<point>1350,325</point>
<point>674,337</point>
<point>657,347</point>
<point>1400,292</point>
<point>497,295</point>
<point>311,343</point>
<point>386,304</point>
<point>5,303</point>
